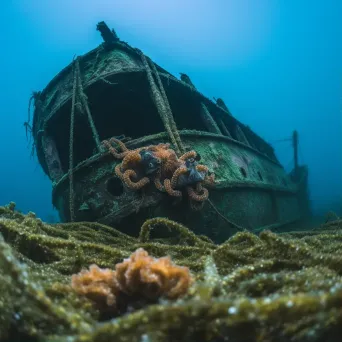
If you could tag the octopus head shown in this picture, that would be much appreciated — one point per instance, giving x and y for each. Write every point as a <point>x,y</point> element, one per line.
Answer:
<point>193,176</point>
<point>149,162</point>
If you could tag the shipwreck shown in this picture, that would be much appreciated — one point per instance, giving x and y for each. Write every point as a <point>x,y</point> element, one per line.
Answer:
<point>115,100</point>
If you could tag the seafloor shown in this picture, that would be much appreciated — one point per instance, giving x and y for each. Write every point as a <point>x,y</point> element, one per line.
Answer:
<point>270,287</point>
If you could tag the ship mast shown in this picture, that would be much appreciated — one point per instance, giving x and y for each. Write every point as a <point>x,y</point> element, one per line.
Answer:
<point>295,150</point>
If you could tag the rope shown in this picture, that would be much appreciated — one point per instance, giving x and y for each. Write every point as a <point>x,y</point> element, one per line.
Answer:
<point>169,121</point>
<point>27,124</point>
<point>71,142</point>
<point>160,104</point>
<point>208,120</point>
<point>223,128</point>
<point>224,218</point>
<point>167,104</point>
<point>281,140</point>
<point>84,102</point>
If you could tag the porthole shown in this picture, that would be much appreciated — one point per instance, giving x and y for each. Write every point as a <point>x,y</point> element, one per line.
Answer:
<point>243,172</point>
<point>260,176</point>
<point>114,186</point>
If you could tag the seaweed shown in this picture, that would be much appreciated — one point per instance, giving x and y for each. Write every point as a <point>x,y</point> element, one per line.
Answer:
<point>266,287</point>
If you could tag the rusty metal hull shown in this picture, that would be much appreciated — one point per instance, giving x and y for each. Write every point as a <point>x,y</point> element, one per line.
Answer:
<point>263,197</point>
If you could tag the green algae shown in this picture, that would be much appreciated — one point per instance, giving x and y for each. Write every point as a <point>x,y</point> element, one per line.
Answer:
<point>271,287</point>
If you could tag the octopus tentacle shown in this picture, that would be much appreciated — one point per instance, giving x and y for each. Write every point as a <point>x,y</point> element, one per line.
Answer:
<point>127,177</point>
<point>113,151</point>
<point>132,158</point>
<point>180,171</point>
<point>119,142</point>
<point>170,190</point>
<point>200,195</point>
<point>196,206</point>
<point>119,172</point>
<point>202,168</point>
<point>158,183</point>
<point>165,176</point>
<point>159,147</point>
<point>209,180</point>
<point>188,155</point>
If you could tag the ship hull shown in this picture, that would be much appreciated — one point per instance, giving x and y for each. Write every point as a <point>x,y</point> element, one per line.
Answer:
<point>251,192</point>
<point>117,91</point>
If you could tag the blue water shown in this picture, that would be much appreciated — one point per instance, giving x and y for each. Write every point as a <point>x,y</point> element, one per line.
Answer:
<point>276,64</point>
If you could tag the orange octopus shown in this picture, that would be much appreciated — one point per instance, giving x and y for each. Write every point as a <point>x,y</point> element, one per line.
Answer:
<point>159,164</point>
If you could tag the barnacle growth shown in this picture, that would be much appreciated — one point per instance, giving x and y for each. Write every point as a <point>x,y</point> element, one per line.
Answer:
<point>270,287</point>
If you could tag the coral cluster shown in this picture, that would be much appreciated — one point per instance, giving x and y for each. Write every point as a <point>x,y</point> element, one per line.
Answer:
<point>159,164</point>
<point>97,284</point>
<point>139,277</point>
<point>266,287</point>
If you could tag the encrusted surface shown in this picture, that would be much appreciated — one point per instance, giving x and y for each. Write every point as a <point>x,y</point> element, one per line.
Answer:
<point>259,199</point>
<point>271,287</point>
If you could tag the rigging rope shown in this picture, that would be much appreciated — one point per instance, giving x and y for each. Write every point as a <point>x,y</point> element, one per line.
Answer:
<point>27,124</point>
<point>225,218</point>
<point>281,140</point>
<point>160,104</point>
<point>168,108</point>
<point>84,102</point>
<point>77,92</point>
<point>71,141</point>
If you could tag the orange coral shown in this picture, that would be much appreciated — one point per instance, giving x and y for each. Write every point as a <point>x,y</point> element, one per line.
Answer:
<point>98,285</point>
<point>152,278</point>
<point>140,277</point>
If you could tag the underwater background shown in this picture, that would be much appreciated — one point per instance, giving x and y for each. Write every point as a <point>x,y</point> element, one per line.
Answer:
<point>276,64</point>
<point>143,277</point>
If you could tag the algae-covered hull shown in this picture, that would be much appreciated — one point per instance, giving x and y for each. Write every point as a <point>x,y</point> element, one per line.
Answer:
<point>117,91</point>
